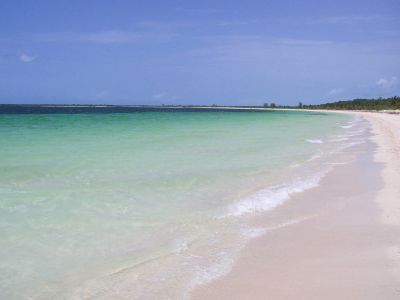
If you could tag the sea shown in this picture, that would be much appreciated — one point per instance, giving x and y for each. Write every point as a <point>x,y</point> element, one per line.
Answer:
<point>140,203</point>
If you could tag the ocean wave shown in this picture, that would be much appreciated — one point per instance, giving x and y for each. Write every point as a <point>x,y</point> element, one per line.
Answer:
<point>339,139</point>
<point>314,157</point>
<point>315,141</point>
<point>271,197</point>
<point>294,165</point>
<point>339,163</point>
<point>351,134</point>
<point>352,144</point>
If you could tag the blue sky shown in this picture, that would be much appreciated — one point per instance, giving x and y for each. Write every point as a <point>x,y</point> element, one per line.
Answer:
<point>198,52</point>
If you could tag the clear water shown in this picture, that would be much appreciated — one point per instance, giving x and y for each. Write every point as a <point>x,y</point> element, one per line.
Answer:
<point>145,204</point>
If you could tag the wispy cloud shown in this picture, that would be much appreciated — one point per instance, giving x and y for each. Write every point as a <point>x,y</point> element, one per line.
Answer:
<point>233,23</point>
<point>229,37</point>
<point>390,33</point>
<point>109,37</point>
<point>164,96</point>
<point>200,10</point>
<point>100,37</point>
<point>103,37</point>
<point>299,42</point>
<point>264,39</point>
<point>335,91</point>
<point>353,19</point>
<point>387,83</point>
<point>25,58</point>
<point>256,48</point>
<point>144,31</point>
<point>102,94</point>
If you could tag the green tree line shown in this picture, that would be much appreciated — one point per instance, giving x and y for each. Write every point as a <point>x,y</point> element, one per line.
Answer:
<point>360,104</point>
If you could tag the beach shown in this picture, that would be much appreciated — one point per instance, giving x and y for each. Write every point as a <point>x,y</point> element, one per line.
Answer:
<point>200,150</point>
<point>339,240</point>
<point>199,203</point>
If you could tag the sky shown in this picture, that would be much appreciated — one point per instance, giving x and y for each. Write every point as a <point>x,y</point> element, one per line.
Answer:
<point>198,52</point>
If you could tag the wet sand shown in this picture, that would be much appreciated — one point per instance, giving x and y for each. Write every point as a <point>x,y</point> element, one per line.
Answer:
<point>337,241</point>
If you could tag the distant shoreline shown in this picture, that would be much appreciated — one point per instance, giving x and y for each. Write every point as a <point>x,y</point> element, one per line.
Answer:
<point>316,108</point>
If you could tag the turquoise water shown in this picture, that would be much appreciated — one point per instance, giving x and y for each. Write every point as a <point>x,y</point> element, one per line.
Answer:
<point>144,204</point>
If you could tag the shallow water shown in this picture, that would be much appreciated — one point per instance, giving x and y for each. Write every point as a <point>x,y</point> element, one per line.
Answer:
<point>146,203</point>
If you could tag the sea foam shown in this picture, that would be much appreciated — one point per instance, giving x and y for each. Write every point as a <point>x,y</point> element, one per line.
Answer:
<point>269,198</point>
<point>316,141</point>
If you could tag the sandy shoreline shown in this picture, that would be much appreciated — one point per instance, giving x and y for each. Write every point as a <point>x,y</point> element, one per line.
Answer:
<point>386,129</point>
<point>343,238</point>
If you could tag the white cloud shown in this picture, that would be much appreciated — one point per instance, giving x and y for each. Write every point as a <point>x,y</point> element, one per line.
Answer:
<point>25,58</point>
<point>387,83</point>
<point>335,91</point>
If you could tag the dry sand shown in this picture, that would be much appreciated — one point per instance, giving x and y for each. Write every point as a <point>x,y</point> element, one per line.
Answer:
<point>386,129</point>
<point>345,242</point>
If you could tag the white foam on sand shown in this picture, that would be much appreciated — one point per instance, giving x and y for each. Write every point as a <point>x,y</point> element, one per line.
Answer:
<point>315,141</point>
<point>271,197</point>
<point>339,139</point>
<point>314,157</point>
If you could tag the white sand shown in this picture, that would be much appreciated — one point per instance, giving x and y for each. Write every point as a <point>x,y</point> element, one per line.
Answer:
<point>386,129</point>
